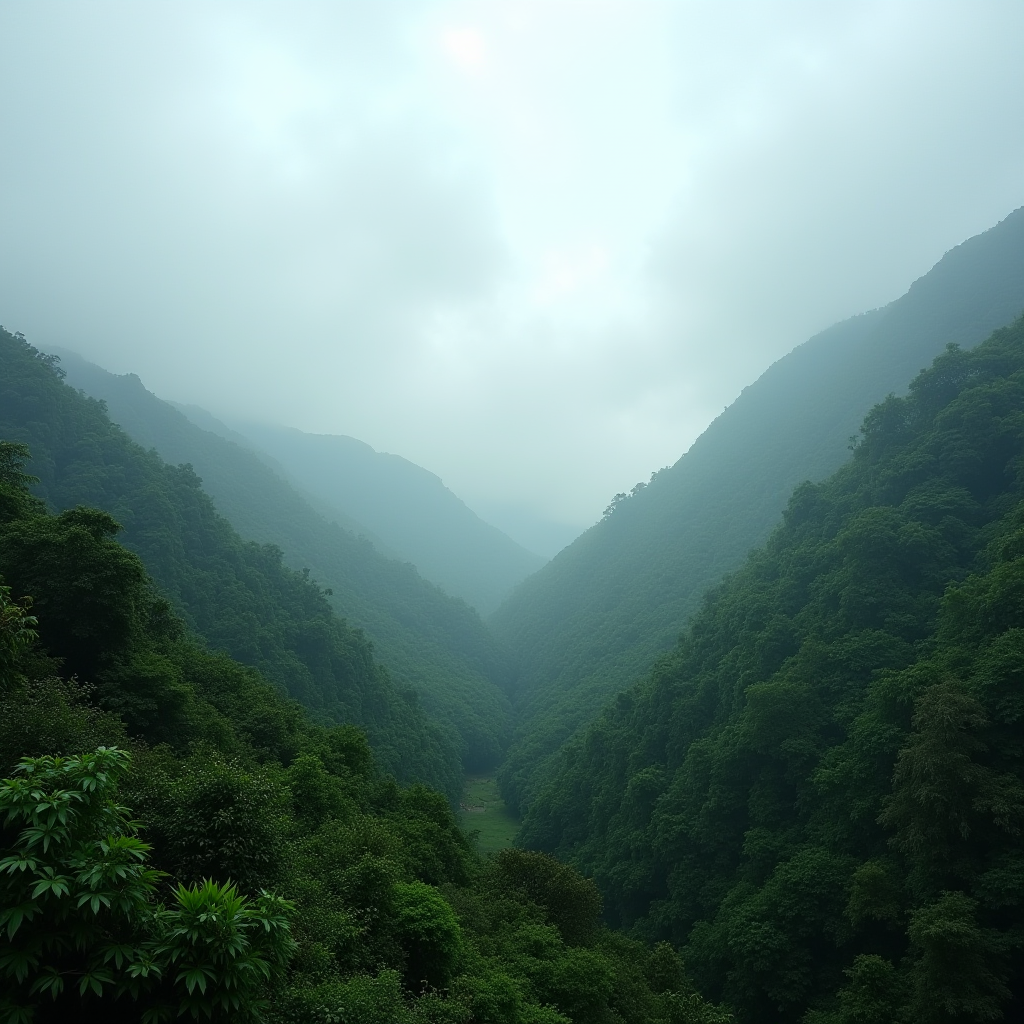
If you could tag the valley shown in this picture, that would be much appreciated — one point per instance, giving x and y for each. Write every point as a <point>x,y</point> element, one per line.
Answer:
<point>745,750</point>
<point>482,811</point>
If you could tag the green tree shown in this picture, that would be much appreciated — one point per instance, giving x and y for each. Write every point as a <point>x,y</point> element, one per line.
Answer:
<point>959,969</point>
<point>79,923</point>
<point>430,934</point>
<point>17,635</point>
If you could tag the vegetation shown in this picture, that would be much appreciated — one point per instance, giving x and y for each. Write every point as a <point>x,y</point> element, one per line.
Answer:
<point>281,876</point>
<point>239,596</point>
<point>593,620</point>
<point>818,795</point>
<point>80,918</point>
<point>430,643</point>
<point>212,798</point>
<point>408,507</point>
<point>484,815</point>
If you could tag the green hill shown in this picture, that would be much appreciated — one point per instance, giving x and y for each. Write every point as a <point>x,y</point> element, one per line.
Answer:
<point>429,642</point>
<point>239,596</point>
<point>593,620</point>
<point>819,794</point>
<point>406,506</point>
<point>180,842</point>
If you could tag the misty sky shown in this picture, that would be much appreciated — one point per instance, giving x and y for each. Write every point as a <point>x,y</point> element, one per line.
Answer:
<point>534,247</point>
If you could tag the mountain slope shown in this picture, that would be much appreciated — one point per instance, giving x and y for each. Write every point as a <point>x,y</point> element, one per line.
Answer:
<point>428,641</point>
<point>822,787</point>
<point>593,619</point>
<point>393,919</point>
<point>407,506</point>
<point>238,596</point>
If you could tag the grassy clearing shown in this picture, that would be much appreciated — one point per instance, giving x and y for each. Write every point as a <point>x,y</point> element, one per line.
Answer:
<point>483,811</point>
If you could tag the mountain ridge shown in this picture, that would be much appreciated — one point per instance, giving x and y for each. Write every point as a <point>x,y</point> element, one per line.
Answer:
<point>816,795</point>
<point>594,618</point>
<point>429,642</point>
<point>445,539</point>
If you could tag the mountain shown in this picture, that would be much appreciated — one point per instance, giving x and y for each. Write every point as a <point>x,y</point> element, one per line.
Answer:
<point>275,864</point>
<point>818,795</point>
<point>406,506</point>
<point>429,642</point>
<point>95,380</point>
<point>237,595</point>
<point>594,618</point>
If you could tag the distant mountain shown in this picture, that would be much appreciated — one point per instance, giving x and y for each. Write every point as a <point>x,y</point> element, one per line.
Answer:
<point>591,621</point>
<point>816,796</point>
<point>237,595</point>
<point>527,526</point>
<point>406,506</point>
<point>428,641</point>
<point>207,421</point>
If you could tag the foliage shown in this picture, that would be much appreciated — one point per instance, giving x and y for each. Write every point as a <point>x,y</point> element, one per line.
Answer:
<point>102,617</point>
<point>428,929</point>
<point>17,635</point>
<point>225,949</point>
<point>819,794</point>
<point>283,877</point>
<point>78,918</point>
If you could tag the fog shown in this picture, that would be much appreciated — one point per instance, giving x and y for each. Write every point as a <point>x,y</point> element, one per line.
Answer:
<point>534,247</point>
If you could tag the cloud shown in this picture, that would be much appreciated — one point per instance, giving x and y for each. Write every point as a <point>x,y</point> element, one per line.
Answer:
<point>534,246</point>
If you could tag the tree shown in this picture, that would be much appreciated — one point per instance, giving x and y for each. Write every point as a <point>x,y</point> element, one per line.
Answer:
<point>79,924</point>
<point>17,635</point>
<point>430,933</point>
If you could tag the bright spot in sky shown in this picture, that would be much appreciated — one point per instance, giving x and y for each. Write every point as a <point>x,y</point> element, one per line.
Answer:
<point>465,46</point>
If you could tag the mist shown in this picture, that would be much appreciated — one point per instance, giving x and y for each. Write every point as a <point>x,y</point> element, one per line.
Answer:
<point>534,247</point>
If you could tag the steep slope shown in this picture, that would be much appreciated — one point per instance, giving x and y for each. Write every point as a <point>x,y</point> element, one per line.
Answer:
<point>822,787</point>
<point>429,642</point>
<point>593,619</point>
<point>237,595</point>
<point>408,507</point>
<point>392,918</point>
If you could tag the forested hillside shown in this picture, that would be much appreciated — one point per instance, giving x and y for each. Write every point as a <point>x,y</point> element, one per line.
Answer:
<point>818,796</point>
<point>237,595</point>
<point>180,842</point>
<point>429,642</point>
<point>592,620</point>
<point>407,506</point>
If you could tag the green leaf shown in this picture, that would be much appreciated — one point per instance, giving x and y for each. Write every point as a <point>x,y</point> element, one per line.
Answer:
<point>12,1013</point>
<point>13,916</point>
<point>18,962</point>
<point>120,953</point>
<point>18,862</point>
<point>58,885</point>
<point>196,976</point>
<point>95,980</point>
<point>50,981</point>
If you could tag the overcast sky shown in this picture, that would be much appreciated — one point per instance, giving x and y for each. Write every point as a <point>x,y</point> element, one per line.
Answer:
<point>534,247</point>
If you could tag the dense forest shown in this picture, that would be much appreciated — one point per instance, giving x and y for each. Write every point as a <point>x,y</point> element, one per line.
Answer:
<point>818,795</point>
<point>238,595</point>
<point>593,620</point>
<point>179,840</point>
<point>767,752</point>
<point>430,643</point>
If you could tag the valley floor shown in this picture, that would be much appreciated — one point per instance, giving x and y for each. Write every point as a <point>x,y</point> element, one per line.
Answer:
<point>483,811</point>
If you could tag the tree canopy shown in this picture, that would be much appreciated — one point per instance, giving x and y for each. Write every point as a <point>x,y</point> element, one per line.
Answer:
<point>179,839</point>
<point>819,794</point>
<point>596,617</point>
